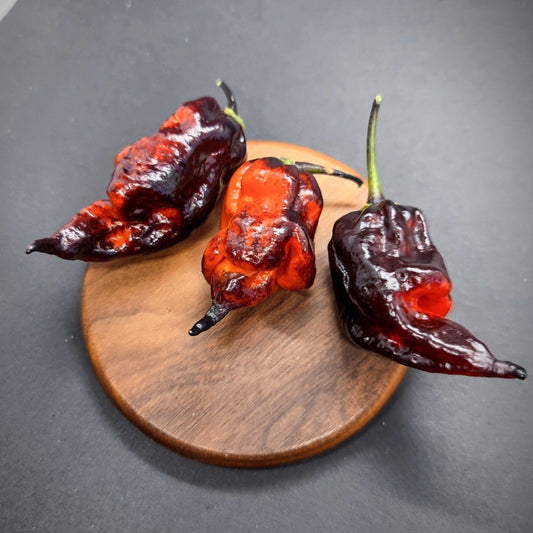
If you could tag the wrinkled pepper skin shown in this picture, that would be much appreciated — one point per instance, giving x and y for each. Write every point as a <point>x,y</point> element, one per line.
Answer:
<point>265,243</point>
<point>393,290</point>
<point>163,187</point>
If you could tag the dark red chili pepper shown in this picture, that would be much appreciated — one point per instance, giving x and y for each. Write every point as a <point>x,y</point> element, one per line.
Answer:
<point>163,186</point>
<point>265,243</point>
<point>392,288</point>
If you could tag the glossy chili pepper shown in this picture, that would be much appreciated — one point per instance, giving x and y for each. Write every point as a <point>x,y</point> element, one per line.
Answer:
<point>392,287</point>
<point>163,186</point>
<point>265,243</point>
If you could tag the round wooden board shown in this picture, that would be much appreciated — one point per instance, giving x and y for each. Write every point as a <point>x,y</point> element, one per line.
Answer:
<point>267,385</point>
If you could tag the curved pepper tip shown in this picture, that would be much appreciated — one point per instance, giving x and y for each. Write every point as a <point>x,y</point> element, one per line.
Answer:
<point>40,245</point>
<point>214,314</point>
<point>520,372</point>
<point>507,369</point>
<point>196,329</point>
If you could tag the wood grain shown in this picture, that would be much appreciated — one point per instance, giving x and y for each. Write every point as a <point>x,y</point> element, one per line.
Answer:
<point>267,385</point>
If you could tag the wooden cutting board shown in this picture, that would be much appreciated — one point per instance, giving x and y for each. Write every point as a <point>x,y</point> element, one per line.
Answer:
<point>267,385</point>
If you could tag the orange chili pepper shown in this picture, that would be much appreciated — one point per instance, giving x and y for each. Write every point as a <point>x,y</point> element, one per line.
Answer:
<point>265,243</point>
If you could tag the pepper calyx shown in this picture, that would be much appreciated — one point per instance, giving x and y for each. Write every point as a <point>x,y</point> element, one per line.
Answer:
<point>231,113</point>
<point>286,161</point>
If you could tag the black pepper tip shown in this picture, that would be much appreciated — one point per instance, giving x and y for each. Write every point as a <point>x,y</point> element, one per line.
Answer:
<point>47,246</point>
<point>202,325</point>
<point>195,330</point>
<point>520,372</point>
<point>214,314</point>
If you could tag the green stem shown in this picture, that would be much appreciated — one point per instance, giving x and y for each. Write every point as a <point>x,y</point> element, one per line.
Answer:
<point>230,113</point>
<point>232,104</point>
<point>374,188</point>
<point>318,169</point>
<point>231,108</point>
<point>311,168</point>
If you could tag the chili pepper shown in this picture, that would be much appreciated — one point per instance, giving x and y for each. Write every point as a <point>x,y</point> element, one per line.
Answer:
<point>163,186</point>
<point>265,243</point>
<point>392,287</point>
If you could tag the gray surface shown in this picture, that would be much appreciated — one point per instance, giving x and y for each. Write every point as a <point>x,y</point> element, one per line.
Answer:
<point>79,80</point>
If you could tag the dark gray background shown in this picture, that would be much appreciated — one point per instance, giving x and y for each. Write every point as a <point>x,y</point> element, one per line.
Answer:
<point>81,79</point>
